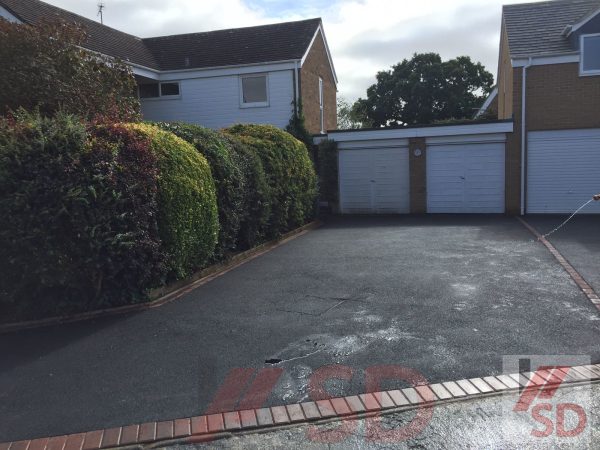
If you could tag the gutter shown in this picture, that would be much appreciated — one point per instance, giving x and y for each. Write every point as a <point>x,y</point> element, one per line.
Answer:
<point>523,132</point>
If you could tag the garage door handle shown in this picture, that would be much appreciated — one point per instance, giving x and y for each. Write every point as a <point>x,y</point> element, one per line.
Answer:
<point>462,178</point>
<point>372,181</point>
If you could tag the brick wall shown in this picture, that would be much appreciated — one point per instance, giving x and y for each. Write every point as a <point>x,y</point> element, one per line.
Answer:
<point>505,80</point>
<point>317,66</point>
<point>559,99</point>
<point>418,175</point>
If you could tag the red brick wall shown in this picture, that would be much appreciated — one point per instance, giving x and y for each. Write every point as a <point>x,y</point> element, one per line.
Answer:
<point>317,65</point>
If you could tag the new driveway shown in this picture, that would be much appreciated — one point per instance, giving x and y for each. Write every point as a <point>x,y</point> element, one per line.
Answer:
<point>447,296</point>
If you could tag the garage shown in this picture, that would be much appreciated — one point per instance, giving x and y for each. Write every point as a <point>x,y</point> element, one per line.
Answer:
<point>466,177</point>
<point>374,180</point>
<point>563,170</point>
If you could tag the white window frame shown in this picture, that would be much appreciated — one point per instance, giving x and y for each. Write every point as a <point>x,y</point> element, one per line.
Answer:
<point>321,105</point>
<point>241,91</point>
<point>160,96</point>
<point>586,73</point>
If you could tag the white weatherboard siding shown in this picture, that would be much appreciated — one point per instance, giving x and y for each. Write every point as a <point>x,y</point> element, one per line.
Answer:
<point>466,178</point>
<point>374,181</point>
<point>563,170</point>
<point>215,103</point>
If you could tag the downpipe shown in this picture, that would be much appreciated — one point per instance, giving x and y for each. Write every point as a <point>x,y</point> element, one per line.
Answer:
<point>523,132</point>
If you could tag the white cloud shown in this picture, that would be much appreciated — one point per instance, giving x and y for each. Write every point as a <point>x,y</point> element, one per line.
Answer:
<point>365,36</point>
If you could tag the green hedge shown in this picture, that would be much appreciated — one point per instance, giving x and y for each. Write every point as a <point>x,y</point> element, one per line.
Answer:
<point>328,172</point>
<point>78,228</point>
<point>187,218</point>
<point>289,171</point>
<point>230,180</point>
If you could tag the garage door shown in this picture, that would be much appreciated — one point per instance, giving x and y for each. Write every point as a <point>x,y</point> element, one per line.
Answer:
<point>563,170</point>
<point>465,178</point>
<point>374,181</point>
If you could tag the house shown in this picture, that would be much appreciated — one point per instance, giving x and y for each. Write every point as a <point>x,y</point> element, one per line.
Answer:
<point>540,155</point>
<point>549,82</point>
<point>217,78</point>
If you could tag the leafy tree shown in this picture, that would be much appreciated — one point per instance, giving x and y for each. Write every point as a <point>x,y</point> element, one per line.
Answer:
<point>45,67</point>
<point>349,117</point>
<point>424,90</point>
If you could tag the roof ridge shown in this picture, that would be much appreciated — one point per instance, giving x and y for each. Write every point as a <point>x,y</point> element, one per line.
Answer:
<point>167,36</point>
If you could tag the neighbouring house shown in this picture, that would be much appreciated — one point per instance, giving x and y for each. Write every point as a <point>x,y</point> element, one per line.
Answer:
<point>217,78</point>
<point>541,155</point>
<point>549,82</point>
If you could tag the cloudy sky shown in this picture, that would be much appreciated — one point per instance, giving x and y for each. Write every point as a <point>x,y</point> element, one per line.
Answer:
<point>365,36</point>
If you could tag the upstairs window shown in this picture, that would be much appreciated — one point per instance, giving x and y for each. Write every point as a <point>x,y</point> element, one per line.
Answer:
<point>590,54</point>
<point>159,90</point>
<point>254,91</point>
<point>321,106</point>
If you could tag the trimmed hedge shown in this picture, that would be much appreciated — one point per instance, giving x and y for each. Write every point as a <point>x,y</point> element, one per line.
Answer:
<point>257,208</point>
<point>78,227</point>
<point>289,171</point>
<point>187,205</point>
<point>230,180</point>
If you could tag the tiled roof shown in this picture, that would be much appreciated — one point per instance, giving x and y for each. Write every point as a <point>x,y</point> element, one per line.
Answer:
<point>267,43</point>
<point>239,46</point>
<point>537,28</point>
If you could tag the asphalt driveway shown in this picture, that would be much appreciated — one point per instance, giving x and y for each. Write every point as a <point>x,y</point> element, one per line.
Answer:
<point>447,296</point>
<point>578,241</point>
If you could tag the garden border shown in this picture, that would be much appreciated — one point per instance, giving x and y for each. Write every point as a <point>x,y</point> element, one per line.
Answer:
<point>166,294</point>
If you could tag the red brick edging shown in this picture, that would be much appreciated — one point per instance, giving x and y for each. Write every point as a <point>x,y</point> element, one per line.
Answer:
<point>216,426</point>
<point>576,276</point>
<point>167,294</point>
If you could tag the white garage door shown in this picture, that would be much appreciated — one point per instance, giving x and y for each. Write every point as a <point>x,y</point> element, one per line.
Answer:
<point>374,181</point>
<point>465,178</point>
<point>563,170</point>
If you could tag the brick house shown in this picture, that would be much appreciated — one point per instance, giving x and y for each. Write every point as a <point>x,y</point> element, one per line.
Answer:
<point>549,83</point>
<point>217,78</point>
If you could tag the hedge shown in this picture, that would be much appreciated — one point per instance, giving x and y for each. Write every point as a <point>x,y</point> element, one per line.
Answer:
<point>230,180</point>
<point>257,208</point>
<point>328,172</point>
<point>78,228</point>
<point>187,205</point>
<point>289,171</point>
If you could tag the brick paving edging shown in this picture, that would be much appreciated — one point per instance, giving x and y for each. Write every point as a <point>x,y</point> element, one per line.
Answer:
<point>576,276</point>
<point>167,294</point>
<point>215,426</point>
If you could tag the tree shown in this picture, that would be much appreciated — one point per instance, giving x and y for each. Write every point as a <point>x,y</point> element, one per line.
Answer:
<point>45,68</point>
<point>424,90</point>
<point>348,117</point>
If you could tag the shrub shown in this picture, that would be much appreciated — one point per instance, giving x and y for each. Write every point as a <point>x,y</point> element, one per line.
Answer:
<point>289,173</point>
<point>187,206</point>
<point>328,172</point>
<point>228,176</point>
<point>254,222</point>
<point>78,227</point>
<point>45,67</point>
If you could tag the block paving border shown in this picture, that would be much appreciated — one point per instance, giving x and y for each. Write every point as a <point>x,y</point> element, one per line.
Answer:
<point>216,426</point>
<point>576,276</point>
<point>167,294</point>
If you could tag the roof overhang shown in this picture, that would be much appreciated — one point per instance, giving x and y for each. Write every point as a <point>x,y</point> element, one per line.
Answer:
<point>543,60</point>
<point>320,30</point>
<point>474,128</point>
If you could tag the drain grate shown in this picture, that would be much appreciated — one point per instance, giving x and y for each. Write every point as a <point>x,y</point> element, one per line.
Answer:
<point>273,361</point>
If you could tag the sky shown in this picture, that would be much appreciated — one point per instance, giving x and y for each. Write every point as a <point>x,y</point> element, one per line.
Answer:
<point>364,36</point>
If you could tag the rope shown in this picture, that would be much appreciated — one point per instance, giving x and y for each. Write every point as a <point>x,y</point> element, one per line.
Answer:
<point>568,220</point>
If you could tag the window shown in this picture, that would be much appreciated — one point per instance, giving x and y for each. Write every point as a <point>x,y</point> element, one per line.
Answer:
<point>254,90</point>
<point>590,54</point>
<point>159,90</point>
<point>321,102</point>
<point>169,89</point>
<point>149,90</point>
